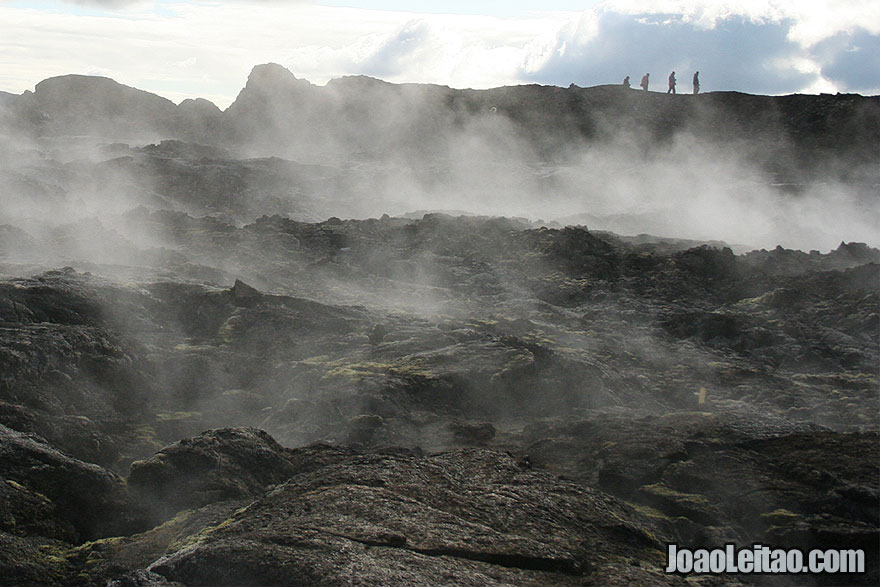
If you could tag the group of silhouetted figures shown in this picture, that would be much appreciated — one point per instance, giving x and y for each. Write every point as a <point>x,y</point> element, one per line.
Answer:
<point>672,81</point>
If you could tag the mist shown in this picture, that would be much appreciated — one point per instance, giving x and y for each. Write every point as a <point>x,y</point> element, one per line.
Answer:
<point>437,217</point>
<point>400,150</point>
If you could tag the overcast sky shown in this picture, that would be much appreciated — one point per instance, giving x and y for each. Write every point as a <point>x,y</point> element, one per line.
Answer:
<point>202,48</point>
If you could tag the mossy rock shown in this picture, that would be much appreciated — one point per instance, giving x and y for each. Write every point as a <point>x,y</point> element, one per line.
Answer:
<point>674,503</point>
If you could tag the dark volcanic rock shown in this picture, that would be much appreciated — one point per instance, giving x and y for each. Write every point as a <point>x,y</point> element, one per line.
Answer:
<point>25,512</point>
<point>469,517</point>
<point>220,465</point>
<point>472,432</point>
<point>66,372</point>
<point>708,478</point>
<point>143,579</point>
<point>78,104</point>
<point>243,294</point>
<point>92,500</point>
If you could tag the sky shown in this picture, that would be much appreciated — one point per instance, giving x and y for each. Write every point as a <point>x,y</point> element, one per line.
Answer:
<point>206,48</point>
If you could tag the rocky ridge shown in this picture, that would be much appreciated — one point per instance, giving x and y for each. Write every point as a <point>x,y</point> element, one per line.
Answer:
<point>279,114</point>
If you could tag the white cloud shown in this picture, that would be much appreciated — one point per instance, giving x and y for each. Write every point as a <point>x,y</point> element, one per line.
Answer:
<point>117,4</point>
<point>737,52</point>
<point>109,4</point>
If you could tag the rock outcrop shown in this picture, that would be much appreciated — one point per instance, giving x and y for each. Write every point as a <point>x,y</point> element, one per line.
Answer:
<point>278,114</point>
<point>61,497</point>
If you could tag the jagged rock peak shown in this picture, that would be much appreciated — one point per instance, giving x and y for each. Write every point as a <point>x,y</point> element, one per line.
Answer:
<point>272,74</point>
<point>854,247</point>
<point>242,291</point>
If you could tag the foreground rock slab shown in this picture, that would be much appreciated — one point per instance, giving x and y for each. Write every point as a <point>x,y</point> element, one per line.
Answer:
<point>469,517</point>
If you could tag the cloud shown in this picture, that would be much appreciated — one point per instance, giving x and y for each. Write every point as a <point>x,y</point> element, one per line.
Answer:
<point>109,4</point>
<point>735,52</point>
<point>117,4</point>
<point>851,60</point>
<point>399,51</point>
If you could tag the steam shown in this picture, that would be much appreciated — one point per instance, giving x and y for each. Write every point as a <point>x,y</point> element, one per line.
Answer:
<point>686,189</point>
<point>405,149</point>
<point>702,191</point>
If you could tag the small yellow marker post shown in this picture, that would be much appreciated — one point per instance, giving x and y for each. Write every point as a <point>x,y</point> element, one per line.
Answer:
<point>702,396</point>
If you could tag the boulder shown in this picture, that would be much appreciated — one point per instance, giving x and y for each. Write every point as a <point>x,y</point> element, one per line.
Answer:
<point>64,496</point>
<point>218,465</point>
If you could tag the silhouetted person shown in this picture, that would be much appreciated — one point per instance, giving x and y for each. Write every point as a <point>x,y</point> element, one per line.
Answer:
<point>696,83</point>
<point>671,89</point>
<point>626,82</point>
<point>644,83</point>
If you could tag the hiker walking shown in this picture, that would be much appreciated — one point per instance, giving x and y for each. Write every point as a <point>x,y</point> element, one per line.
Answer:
<point>626,82</point>
<point>644,83</point>
<point>696,83</point>
<point>671,89</point>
